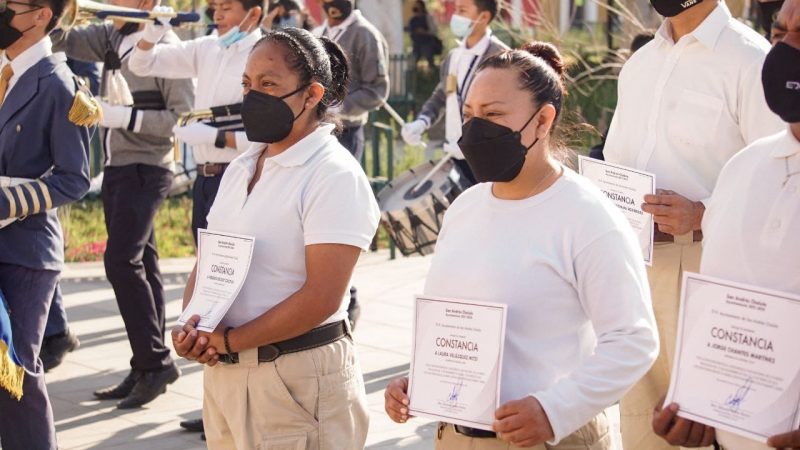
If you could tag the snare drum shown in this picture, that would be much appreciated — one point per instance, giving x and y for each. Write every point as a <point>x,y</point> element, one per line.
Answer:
<point>412,217</point>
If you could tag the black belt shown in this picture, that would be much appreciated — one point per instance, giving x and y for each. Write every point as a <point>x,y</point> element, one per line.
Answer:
<point>317,337</point>
<point>211,169</point>
<point>474,432</point>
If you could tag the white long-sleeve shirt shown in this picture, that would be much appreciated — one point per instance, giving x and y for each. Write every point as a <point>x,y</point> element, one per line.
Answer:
<point>580,328</point>
<point>686,107</point>
<point>218,71</point>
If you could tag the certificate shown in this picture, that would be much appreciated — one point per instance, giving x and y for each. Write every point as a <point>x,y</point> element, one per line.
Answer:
<point>626,188</point>
<point>456,361</point>
<point>223,261</point>
<point>736,363</point>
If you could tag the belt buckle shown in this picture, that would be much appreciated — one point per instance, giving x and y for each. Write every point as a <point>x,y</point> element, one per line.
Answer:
<point>271,353</point>
<point>229,358</point>
<point>205,172</point>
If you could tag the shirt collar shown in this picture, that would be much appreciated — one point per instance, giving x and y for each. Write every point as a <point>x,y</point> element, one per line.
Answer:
<point>480,47</point>
<point>707,33</point>
<point>787,146</point>
<point>338,29</point>
<point>30,56</point>
<point>299,153</point>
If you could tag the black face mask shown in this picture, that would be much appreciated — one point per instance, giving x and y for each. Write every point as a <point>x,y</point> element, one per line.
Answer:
<point>9,34</point>
<point>766,14</point>
<point>345,8</point>
<point>780,77</point>
<point>268,118</point>
<point>494,152</point>
<point>671,8</point>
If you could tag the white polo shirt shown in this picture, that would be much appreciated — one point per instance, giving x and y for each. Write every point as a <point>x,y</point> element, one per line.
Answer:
<point>314,192</point>
<point>580,328</point>
<point>684,108</point>
<point>753,224</point>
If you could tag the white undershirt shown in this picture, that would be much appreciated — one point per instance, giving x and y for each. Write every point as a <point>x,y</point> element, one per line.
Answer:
<point>581,330</point>
<point>26,60</point>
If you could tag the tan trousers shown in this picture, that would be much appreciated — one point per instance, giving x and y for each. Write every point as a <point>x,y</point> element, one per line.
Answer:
<point>310,400</point>
<point>670,260</point>
<point>595,435</point>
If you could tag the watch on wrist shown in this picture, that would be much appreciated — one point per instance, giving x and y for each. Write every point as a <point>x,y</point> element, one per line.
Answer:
<point>220,142</point>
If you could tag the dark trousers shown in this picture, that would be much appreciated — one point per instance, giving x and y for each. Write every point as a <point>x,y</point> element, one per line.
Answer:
<point>57,318</point>
<point>352,138</point>
<point>203,194</point>
<point>131,196</point>
<point>27,424</point>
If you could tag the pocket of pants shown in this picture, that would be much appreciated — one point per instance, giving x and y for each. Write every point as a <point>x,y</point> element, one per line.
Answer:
<point>297,384</point>
<point>288,442</point>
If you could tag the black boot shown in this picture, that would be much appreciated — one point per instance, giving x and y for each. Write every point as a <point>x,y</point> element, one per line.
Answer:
<point>56,347</point>
<point>353,309</point>
<point>194,425</point>
<point>150,385</point>
<point>121,390</point>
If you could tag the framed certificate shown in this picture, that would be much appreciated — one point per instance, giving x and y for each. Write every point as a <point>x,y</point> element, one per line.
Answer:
<point>626,188</point>
<point>223,261</point>
<point>456,360</point>
<point>736,362</point>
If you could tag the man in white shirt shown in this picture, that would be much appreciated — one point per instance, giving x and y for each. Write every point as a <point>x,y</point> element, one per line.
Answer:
<point>752,220</point>
<point>470,23</point>
<point>217,62</point>
<point>688,101</point>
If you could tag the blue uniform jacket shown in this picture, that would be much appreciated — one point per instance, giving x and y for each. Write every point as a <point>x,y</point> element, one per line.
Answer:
<point>35,135</point>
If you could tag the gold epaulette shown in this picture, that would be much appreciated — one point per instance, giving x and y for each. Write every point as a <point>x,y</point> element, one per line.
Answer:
<point>85,110</point>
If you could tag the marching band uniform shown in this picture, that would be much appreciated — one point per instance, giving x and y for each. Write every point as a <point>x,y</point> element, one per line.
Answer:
<point>366,50</point>
<point>458,68</point>
<point>707,104</point>
<point>218,70</point>
<point>137,178</point>
<point>43,165</point>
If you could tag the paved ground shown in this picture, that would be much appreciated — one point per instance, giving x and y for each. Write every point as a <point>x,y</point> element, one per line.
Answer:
<point>383,338</point>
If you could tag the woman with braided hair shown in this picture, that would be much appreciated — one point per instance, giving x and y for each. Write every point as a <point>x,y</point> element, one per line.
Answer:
<point>281,367</point>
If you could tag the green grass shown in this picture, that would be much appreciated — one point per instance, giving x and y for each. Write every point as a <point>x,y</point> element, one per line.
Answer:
<point>85,231</point>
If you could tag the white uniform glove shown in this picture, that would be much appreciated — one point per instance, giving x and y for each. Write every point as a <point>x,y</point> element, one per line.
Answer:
<point>115,116</point>
<point>196,134</point>
<point>156,29</point>
<point>412,131</point>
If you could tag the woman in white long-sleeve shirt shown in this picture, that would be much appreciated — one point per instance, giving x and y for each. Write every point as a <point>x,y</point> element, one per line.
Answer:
<point>540,238</point>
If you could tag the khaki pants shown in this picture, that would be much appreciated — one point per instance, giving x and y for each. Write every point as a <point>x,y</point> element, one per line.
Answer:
<point>670,260</point>
<point>310,400</point>
<point>595,435</point>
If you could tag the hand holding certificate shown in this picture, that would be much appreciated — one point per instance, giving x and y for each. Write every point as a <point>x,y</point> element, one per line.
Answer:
<point>223,261</point>
<point>626,188</point>
<point>456,361</point>
<point>736,366</point>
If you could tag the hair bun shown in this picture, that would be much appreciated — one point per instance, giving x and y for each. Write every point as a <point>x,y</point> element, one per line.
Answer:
<point>548,52</point>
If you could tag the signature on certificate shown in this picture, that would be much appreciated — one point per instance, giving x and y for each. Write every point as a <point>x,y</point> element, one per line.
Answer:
<point>736,399</point>
<point>452,397</point>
